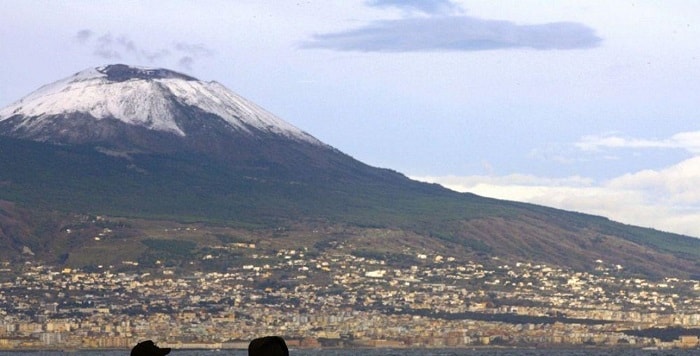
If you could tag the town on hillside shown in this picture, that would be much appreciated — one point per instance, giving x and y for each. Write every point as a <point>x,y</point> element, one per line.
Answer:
<point>341,298</point>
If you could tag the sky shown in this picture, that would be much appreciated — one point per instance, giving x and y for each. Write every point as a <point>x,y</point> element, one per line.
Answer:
<point>589,106</point>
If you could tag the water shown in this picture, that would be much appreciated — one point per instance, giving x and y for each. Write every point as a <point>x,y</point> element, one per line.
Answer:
<point>386,352</point>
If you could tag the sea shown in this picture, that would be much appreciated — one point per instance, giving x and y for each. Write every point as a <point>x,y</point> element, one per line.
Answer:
<point>385,352</point>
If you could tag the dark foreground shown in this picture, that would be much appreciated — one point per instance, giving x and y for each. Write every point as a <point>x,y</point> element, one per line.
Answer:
<point>386,352</point>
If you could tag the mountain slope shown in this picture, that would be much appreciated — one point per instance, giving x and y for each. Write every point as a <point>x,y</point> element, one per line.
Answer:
<point>156,144</point>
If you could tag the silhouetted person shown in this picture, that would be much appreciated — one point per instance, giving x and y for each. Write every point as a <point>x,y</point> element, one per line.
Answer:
<point>149,348</point>
<point>268,346</point>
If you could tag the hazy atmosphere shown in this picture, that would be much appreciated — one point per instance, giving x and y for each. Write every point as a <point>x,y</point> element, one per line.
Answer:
<point>581,105</point>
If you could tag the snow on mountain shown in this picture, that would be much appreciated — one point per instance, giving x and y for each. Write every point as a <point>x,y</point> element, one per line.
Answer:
<point>145,97</point>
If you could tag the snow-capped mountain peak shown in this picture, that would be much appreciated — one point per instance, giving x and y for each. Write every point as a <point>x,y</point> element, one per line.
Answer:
<point>152,98</point>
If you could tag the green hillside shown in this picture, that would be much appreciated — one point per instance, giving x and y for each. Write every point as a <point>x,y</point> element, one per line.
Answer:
<point>265,194</point>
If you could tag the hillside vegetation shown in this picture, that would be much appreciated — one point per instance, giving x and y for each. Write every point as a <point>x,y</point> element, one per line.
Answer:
<point>50,184</point>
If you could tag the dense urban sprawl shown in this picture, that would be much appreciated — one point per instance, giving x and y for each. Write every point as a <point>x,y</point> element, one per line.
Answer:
<point>339,299</point>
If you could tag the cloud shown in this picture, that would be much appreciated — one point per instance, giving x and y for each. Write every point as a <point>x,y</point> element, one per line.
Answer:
<point>455,33</point>
<point>425,6</point>
<point>123,47</point>
<point>153,56</point>
<point>191,52</point>
<point>666,199</point>
<point>83,35</point>
<point>689,141</point>
<point>186,62</point>
<point>105,47</point>
<point>126,43</point>
<point>193,49</point>
<point>677,185</point>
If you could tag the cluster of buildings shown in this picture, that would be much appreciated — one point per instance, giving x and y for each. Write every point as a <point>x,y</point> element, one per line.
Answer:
<point>338,298</point>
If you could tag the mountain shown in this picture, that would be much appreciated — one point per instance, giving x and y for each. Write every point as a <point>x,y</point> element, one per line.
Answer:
<point>144,143</point>
<point>126,109</point>
<point>150,125</point>
<point>109,104</point>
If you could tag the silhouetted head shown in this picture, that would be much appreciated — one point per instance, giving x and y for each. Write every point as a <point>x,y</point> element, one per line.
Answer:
<point>149,348</point>
<point>268,346</point>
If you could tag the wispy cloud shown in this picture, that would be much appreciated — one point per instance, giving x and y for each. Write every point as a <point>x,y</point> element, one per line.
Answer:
<point>155,55</point>
<point>193,49</point>
<point>83,36</point>
<point>186,62</point>
<point>425,6</point>
<point>122,47</point>
<point>666,199</point>
<point>190,52</point>
<point>444,30</point>
<point>689,141</point>
<point>105,47</point>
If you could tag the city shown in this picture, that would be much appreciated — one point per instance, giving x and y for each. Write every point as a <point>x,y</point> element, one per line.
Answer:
<point>339,298</point>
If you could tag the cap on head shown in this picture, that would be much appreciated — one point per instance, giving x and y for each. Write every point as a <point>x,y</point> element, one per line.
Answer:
<point>268,346</point>
<point>149,348</point>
